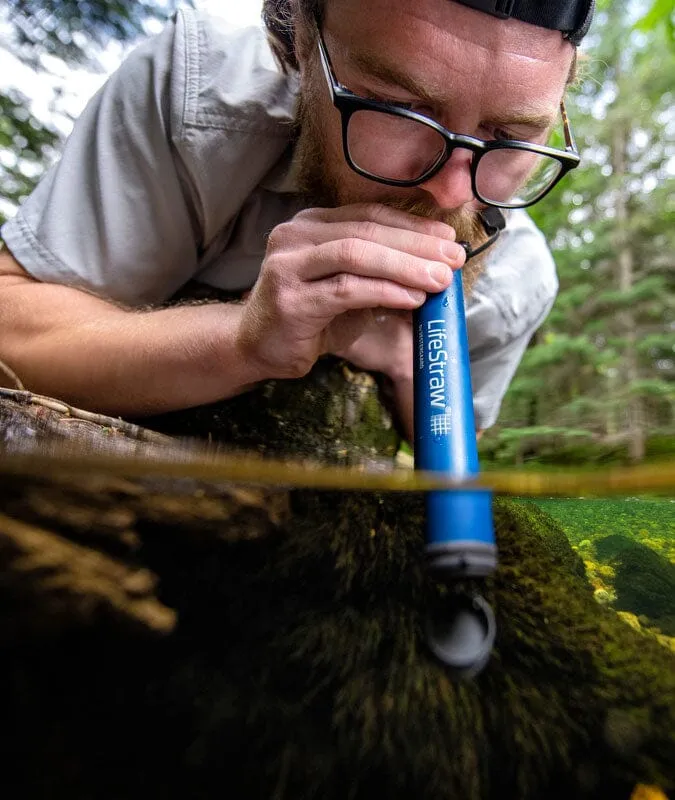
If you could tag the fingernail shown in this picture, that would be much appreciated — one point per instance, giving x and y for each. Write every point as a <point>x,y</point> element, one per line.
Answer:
<point>441,274</point>
<point>451,250</point>
<point>417,296</point>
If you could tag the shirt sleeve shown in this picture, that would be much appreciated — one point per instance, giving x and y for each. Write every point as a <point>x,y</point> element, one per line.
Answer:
<point>510,301</point>
<point>492,373</point>
<point>118,209</point>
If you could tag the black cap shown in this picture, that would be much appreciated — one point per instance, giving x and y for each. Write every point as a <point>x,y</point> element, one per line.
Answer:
<point>571,17</point>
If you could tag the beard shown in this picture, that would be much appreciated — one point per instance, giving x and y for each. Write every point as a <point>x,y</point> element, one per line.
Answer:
<point>319,183</point>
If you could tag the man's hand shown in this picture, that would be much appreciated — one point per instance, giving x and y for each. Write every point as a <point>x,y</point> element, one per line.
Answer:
<point>320,266</point>
<point>324,273</point>
<point>379,340</point>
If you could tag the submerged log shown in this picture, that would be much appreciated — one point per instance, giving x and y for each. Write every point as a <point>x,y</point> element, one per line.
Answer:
<point>175,638</point>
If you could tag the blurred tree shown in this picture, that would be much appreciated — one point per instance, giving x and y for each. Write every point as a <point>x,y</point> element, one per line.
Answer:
<point>25,144</point>
<point>72,30</point>
<point>604,362</point>
<point>75,32</point>
<point>661,12</point>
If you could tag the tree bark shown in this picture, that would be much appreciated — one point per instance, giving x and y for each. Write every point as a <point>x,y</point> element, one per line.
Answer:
<point>625,268</point>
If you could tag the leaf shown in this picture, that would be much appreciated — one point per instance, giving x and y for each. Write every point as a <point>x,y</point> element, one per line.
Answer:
<point>662,11</point>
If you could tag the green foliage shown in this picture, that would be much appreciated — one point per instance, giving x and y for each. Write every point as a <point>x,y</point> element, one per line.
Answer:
<point>657,343</point>
<point>649,288</point>
<point>29,142</point>
<point>76,33</point>
<point>662,12</point>
<point>540,431</point>
<point>653,387</point>
<point>557,347</point>
<point>661,447</point>
<point>605,358</point>
<point>72,30</point>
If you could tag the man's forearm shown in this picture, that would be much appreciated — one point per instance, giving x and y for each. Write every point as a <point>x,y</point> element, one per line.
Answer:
<point>66,343</point>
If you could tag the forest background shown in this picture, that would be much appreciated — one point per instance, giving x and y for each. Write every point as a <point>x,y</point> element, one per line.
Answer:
<point>598,380</point>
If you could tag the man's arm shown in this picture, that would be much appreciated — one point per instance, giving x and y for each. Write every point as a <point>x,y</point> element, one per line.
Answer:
<point>320,267</point>
<point>65,342</point>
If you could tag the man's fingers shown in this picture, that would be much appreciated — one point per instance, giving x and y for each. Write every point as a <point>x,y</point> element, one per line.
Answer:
<point>347,292</point>
<point>343,228</point>
<point>416,243</point>
<point>366,259</point>
<point>325,262</point>
<point>389,217</point>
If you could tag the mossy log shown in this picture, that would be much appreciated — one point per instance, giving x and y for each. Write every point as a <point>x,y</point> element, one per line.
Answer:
<point>173,639</point>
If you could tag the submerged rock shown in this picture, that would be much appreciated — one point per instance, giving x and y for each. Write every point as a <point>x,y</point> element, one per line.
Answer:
<point>610,547</point>
<point>645,584</point>
<point>643,580</point>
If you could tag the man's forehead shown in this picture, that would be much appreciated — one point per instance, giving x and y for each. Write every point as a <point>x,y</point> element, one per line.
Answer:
<point>465,22</point>
<point>444,40</point>
<point>379,65</point>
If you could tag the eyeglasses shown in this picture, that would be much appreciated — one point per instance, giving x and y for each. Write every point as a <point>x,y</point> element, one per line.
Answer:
<point>400,147</point>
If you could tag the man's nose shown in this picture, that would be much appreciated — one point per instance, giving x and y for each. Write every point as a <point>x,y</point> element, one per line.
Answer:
<point>451,186</point>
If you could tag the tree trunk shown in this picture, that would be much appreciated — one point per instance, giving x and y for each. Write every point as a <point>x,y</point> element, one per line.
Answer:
<point>626,319</point>
<point>534,401</point>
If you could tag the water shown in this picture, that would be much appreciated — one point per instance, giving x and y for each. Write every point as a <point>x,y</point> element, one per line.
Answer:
<point>628,548</point>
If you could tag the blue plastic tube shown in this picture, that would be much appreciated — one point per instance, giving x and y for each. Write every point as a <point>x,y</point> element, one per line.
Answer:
<point>459,531</point>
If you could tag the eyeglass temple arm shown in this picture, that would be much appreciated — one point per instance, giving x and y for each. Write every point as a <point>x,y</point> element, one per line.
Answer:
<point>570,144</point>
<point>328,69</point>
<point>494,223</point>
<point>325,61</point>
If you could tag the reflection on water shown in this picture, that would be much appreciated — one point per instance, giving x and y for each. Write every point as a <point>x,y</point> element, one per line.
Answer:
<point>628,548</point>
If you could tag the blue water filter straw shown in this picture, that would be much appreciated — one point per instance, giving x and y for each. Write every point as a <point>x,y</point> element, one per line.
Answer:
<point>460,540</point>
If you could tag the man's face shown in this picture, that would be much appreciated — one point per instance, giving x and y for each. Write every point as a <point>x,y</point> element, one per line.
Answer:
<point>471,72</point>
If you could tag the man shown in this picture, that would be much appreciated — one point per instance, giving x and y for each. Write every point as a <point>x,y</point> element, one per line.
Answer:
<point>187,166</point>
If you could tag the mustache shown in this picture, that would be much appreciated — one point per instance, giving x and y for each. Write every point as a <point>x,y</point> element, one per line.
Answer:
<point>467,224</point>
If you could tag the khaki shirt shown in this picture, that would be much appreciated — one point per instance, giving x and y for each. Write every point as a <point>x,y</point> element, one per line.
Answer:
<point>181,165</point>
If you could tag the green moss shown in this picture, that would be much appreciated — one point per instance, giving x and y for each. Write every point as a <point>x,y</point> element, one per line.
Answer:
<point>335,654</point>
<point>330,690</point>
<point>336,417</point>
<point>554,536</point>
<point>644,581</point>
<point>630,517</point>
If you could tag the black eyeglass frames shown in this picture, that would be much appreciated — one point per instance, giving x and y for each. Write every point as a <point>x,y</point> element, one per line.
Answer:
<point>400,147</point>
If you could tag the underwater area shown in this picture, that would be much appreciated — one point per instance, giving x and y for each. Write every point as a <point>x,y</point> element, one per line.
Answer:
<point>628,548</point>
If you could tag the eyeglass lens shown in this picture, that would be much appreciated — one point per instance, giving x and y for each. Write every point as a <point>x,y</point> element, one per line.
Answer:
<point>402,149</point>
